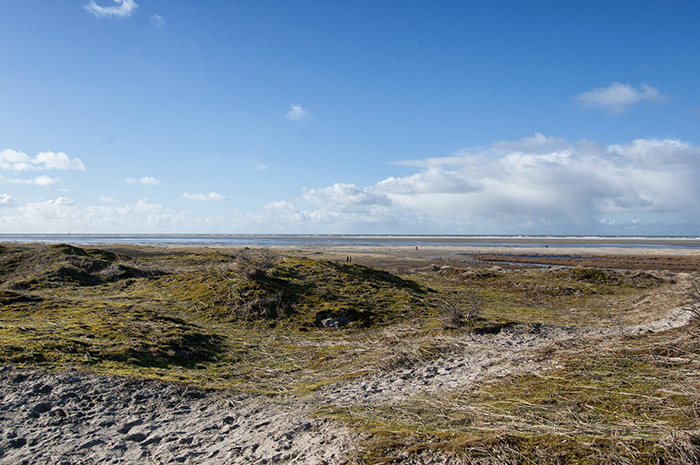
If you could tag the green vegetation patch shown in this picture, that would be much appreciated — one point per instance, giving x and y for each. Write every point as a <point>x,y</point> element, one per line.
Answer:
<point>557,296</point>
<point>69,332</point>
<point>301,292</point>
<point>249,321</point>
<point>63,265</point>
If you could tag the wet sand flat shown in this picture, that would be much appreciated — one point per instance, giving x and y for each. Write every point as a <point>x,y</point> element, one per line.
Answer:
<point>399,258</point>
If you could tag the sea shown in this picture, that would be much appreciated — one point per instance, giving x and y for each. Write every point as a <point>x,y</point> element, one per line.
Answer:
<point>321,240</point>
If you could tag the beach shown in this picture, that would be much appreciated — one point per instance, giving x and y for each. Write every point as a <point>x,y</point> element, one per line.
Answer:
<point>403,257</point>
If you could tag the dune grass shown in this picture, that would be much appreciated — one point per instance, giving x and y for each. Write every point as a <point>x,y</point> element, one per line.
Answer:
<point>627,400</point>
<point>255,322</point>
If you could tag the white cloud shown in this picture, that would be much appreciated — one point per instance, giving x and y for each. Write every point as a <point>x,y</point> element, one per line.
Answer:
<point>146,181</point>
<point>280,205</point>
<point>434,179</point>
<point>6,200</point>
<point>42,180</point>
<point>261,167</point>
<point>45,180</point>
<point>64,215</point>
<point>58,161</point>
<point>144,206</point>
<point>157,21</point>
<point>297,113</point>
<point>15,161</point>
<point>618,97</point>
<point>12,160</point>
<point>210,197</point>
<point>535,182</point>
<point>60,210</point>
<point>536,185</point>
<point>286,214</point>
<point>539,143</point>
<point>123,9</point>
<point>345,196</point>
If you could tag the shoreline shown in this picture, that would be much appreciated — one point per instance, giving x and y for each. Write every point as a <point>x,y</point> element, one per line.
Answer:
<point>322,240</point>
<point>405,258</point>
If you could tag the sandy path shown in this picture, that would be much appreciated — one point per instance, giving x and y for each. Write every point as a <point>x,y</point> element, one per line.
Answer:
<point>75,418</point>
<point>479,357</point>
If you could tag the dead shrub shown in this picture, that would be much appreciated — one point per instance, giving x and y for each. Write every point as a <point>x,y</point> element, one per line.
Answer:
<point>460,310</point>
<point>256,268</point>
<point>694,297</point>
<point>261,307</point>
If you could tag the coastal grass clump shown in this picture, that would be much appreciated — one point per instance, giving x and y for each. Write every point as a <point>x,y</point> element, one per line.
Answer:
<point>557,296</point>
<point>69,332</point>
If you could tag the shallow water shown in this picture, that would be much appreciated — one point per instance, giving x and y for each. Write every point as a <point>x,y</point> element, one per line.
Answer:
<point>320,240</point>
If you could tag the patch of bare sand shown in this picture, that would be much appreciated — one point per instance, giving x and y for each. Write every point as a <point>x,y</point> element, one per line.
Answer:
<point>477,357</point>
<point>407,258</point>
<point>77,418</point>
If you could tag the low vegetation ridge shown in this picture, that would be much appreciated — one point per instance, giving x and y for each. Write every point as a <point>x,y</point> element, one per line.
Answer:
<point>438,365</point>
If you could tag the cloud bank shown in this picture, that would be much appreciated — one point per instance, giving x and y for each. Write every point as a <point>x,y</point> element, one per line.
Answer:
<point>64,214</point>
<point>536,185</point>
<point>618,98</point>
<point>123,9</point>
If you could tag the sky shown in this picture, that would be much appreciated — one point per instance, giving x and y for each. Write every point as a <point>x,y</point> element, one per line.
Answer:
<point>350,117</point>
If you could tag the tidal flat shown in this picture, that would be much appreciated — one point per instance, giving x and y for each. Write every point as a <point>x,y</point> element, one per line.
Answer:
<point>358,355</point>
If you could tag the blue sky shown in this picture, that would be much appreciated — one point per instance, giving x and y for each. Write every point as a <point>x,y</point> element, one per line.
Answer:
<point>412,117</point>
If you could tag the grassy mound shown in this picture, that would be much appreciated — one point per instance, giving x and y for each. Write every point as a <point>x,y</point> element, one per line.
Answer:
<point>66,305</point>
<point>303,292</point>
<point>63,265</point>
